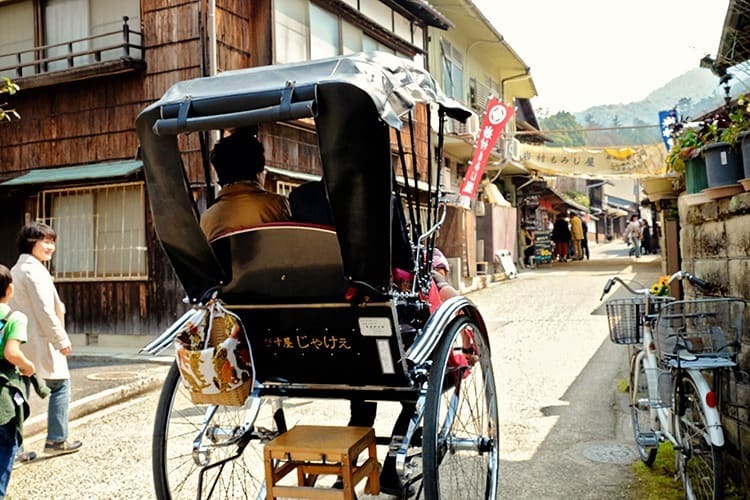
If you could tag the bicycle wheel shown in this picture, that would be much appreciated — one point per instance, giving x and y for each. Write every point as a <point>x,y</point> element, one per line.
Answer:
<point>640,412</point>
<point>699,462</point>
<point>460,441</point>
<point>228,460</point>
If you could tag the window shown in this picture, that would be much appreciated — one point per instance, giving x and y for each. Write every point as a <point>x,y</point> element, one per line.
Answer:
<point>73,27</point>
<point>453,71</point>
<point>291,31</point>
<point>17,33</point>
<point>324,33</point>
<point>100,232</point>
<point>351,38</point>
<point>402,26</point>
<point>304,30</point>
<point>378,12</point>
<point>284,188</point>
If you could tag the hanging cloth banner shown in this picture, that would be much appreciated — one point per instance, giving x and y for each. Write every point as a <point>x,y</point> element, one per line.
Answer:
<point>595,163</point>
<point>496,117</point>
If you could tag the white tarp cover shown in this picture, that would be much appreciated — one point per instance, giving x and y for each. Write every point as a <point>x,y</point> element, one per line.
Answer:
<point>596,163</point>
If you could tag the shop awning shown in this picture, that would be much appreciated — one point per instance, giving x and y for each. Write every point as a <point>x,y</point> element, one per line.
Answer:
<point>87,172</point>
<point>552,199</point>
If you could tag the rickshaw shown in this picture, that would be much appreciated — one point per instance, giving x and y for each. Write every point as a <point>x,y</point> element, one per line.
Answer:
<point>307,284</point>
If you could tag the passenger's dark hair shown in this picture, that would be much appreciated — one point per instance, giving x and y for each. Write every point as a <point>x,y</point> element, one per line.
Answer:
<point>5,279</point>
<point>31,233</point>
<point>238,156</point>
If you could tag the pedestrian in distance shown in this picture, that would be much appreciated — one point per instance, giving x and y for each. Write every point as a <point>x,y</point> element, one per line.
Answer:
<point>48,342</point>
<point>585,242</point>
<point>576,235</point>
<point>528,241</point>
<point>561,237</point>
<point>645,238</point>
<point>633,235</point>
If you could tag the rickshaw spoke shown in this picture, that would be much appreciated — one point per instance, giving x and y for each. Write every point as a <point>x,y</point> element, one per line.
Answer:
<point>460,453</point>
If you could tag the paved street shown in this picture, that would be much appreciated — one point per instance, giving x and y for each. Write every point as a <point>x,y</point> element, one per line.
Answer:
<point>565,433</point>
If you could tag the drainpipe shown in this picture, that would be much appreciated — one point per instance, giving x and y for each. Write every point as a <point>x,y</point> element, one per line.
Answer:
<point>211,28</point>
<point>208,139</point>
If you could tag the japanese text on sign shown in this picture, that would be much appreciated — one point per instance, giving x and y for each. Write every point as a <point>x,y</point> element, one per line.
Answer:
<point>308,342</point>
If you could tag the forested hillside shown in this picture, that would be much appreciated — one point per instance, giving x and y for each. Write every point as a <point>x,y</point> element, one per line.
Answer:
<point>693,94</point>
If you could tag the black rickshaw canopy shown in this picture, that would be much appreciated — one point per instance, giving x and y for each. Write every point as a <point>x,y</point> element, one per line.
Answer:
<point>354,101</point>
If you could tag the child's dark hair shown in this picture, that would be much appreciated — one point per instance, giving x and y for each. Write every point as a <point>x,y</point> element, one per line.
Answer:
<point>33,232</point>
<point>5,280</point>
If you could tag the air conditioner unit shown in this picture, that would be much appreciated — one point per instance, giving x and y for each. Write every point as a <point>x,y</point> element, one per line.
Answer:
<point>447,181</point>
<point>512,149</point>
<point>472,125</point>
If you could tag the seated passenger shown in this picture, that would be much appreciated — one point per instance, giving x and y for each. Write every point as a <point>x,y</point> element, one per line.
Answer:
<point>309,204</point>
<point>242,202</point>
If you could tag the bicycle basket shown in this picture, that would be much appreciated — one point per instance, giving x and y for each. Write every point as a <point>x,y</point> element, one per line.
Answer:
<point>627,316</point>
<point>709,327</point>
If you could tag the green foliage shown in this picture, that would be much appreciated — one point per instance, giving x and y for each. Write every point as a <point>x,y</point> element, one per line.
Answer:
<point>10,88</point>
<point>579,198</point>
<point>563,120</point>
<point>739,121</point>
<point>658,482</point>
<point>687,143</point>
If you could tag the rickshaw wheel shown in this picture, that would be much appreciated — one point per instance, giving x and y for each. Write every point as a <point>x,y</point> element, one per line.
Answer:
<point>175,466</point>
<point>461,417</point>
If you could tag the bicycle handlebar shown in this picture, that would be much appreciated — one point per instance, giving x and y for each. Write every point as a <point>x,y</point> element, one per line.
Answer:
<point>694,280</point>
<point>679,275</point>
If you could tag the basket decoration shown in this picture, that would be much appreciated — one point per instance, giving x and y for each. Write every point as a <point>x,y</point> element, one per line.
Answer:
<point>214,357</point>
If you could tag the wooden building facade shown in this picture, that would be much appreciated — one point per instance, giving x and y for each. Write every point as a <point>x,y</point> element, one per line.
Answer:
<point>86,69</point>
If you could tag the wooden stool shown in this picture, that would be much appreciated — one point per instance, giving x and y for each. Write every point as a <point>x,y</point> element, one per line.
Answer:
<point>315,450</point>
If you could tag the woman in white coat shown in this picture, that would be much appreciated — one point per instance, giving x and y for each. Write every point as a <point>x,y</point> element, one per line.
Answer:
<point>48,342</point>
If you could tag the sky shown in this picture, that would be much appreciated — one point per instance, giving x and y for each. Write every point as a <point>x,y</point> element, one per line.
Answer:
<point>584,53</point>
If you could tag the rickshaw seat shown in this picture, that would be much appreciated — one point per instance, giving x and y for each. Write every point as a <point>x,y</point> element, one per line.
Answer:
<point>282,262</point>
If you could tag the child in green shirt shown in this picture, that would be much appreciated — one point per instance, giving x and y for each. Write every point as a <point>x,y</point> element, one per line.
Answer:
<point>14,407</point>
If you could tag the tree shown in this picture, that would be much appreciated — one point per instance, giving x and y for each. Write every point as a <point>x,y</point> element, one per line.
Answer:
<point>10,88</point>
<point>569,127</point>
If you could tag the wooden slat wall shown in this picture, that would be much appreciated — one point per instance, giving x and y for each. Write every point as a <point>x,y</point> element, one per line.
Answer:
<point>93,120</point>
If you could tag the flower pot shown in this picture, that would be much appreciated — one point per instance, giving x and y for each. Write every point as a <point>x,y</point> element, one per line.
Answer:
<point>659,188</point>
<point>723,164</point>
<point>695,174</point>
<point>745,144</point>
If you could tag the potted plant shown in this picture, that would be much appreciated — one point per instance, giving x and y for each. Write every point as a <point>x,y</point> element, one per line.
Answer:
<point>741,129</point>
<point>723,161</point>
<point>685,159</point>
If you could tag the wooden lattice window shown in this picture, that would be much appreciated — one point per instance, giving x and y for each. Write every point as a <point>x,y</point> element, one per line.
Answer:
<point>101,232</point>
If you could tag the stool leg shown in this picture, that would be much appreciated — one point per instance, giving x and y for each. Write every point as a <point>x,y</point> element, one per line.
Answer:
<point>372,486</point>
<point>270,482</point>
<point>347,480</point>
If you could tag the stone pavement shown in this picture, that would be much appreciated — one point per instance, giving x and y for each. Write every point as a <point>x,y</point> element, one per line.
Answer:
<point>102,376</point>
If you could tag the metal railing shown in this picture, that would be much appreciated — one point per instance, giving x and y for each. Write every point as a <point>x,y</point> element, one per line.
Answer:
<point>75,53</point>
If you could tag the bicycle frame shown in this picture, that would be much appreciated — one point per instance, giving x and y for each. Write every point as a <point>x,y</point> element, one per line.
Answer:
<point>664,415</point>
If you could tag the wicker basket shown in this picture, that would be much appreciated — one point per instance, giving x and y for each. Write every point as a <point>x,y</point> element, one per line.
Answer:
<point>627,317</point>
<point>710,327</point>
<point>210,371</point>
<point>625,320</point>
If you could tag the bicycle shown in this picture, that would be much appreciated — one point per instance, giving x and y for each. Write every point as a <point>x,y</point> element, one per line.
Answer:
<point>675,345</point>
